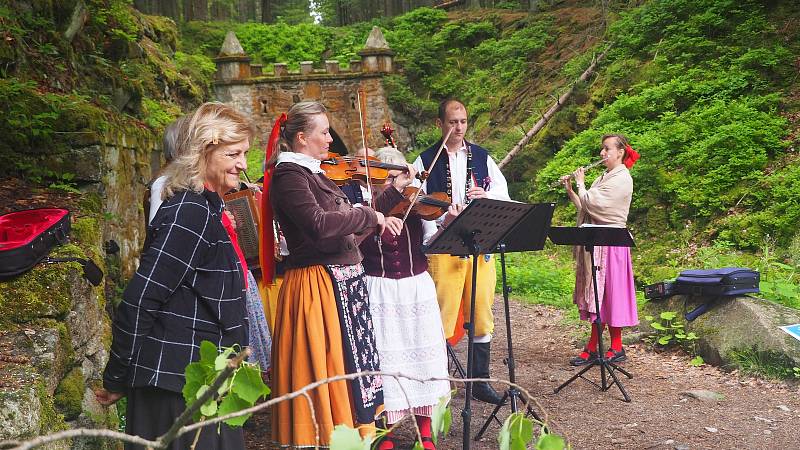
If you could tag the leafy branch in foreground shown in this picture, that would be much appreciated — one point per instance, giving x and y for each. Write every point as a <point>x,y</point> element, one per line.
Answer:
<point>239,391</point>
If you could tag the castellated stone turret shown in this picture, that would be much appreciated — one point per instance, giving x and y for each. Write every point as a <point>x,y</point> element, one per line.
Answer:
<point>232,62</point>
<point>263,94</point>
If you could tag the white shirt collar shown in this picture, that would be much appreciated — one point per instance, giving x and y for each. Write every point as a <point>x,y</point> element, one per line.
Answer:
<point>301,159</point>
<point>462,149</point>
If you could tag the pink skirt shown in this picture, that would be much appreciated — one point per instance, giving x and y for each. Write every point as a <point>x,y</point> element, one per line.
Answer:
<point>618,306</point>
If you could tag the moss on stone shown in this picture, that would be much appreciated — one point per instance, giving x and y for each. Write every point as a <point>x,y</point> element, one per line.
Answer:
<point>68,398</point>
<point>91,203</point>
<point>43,292</point>
<point>50,419</point>
<point>86,230</point>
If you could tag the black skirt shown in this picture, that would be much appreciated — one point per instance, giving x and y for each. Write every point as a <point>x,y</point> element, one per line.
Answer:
<point>152,411</point>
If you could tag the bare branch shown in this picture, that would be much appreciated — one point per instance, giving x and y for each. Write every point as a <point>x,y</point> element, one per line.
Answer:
<point>82,432</point>
<point>162,442</point>
<point>559,103</point>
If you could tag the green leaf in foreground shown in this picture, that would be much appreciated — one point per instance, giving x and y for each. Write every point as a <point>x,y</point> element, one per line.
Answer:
<point>516,433</point>
<point>441,419</point>
<point>550,442</point>
<point>248,384</point>
<point>230,404</point>
<point>346,438</point>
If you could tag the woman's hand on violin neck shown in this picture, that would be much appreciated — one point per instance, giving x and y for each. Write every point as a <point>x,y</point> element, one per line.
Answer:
<point>400,180</point>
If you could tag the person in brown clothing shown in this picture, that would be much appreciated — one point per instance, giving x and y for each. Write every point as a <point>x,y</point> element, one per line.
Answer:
<point>323,325</point>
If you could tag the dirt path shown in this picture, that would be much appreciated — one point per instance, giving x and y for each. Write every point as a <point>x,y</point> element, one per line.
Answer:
<point>754,414</point>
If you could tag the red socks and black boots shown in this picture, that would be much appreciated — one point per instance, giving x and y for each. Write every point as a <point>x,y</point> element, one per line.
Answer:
<point>589,352</point>
<point>616,353</point>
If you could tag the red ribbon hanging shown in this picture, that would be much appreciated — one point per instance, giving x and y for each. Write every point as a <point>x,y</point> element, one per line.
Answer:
<point>266,253</point>
<point>631,156</point>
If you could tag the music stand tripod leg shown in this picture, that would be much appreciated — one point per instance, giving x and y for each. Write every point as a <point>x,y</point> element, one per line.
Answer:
<point>466,413</point>
<point>606,367</point>
<point>451,355</point>
<point>511,393</point>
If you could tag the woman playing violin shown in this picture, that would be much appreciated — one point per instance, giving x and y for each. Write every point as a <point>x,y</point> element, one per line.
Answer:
<point>323,325</point>
<point>408,325</point>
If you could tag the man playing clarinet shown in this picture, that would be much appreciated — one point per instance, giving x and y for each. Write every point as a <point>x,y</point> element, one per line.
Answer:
<point>465,171</point>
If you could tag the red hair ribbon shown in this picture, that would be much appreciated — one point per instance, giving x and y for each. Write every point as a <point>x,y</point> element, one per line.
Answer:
<point>266,247</point>
<point>630,157</point>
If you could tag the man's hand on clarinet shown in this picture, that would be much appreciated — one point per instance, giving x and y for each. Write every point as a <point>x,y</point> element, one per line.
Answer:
<point>476,192</point>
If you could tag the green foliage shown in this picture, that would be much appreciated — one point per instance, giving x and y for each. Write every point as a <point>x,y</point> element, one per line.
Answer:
<point>538,278</point>
<point>670,331</point>
<point>768,364</point>
<point>346,438</point>
<point>516,432</point>
<point>442,418</point>
<point>241,390</point>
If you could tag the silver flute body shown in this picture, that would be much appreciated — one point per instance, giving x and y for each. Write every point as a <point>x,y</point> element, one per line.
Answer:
<point>572,175</point>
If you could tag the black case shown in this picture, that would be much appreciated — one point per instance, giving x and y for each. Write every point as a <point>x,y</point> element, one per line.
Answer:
<point>657,291</point>
<point>19,259</point>
<point>712,282</point>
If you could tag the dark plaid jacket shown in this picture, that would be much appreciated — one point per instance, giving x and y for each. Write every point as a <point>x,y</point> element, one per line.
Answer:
<point>189,287</point>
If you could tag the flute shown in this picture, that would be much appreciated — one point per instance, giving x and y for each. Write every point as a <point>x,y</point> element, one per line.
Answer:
<point>587,167</point>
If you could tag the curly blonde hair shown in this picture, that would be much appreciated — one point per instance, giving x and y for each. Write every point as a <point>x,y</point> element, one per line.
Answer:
<point>211,125</point>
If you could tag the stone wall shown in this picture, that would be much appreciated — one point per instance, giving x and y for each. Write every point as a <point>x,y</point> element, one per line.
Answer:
<point>264,100</point>
<point>54,330</point>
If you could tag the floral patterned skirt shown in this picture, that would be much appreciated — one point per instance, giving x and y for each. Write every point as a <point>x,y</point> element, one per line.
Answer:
<point>358,339</point>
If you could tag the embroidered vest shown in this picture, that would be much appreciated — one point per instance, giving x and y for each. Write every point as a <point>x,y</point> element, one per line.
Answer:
<point>439,176</point>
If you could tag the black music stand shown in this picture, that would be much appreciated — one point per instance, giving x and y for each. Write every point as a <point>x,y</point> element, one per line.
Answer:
<point>480,227</point>
<point>589,237</point>
<point>528,235</point>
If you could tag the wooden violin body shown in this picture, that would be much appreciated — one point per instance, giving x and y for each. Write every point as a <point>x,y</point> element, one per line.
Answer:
<point>345,168</point>
<point>427,206</point>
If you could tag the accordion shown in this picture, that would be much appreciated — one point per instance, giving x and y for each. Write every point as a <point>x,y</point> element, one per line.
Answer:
<point>245,210</point>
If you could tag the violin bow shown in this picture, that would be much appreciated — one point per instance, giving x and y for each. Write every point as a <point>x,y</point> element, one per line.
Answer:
<point>433,163</point>
<point>362,105</point>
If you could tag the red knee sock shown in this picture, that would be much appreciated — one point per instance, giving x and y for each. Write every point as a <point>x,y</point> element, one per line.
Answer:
<point>387,443</point>
<point>592,344</point>
<point>424,424</point>
<point>616,338</point>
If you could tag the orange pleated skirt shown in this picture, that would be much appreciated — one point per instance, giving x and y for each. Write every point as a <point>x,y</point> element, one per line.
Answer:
<point>307,347</point>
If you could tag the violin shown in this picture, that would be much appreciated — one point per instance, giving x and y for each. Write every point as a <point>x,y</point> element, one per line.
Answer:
<point>345,168</point>
<point>428,207</point>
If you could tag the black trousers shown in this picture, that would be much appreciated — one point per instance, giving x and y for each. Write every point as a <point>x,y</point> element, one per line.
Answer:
<point>152,411</point>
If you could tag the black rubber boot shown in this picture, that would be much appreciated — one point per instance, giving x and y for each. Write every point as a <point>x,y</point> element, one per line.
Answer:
<point>482,390</point>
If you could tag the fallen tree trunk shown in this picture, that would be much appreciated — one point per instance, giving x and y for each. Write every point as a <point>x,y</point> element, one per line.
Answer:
<point>550,112</point>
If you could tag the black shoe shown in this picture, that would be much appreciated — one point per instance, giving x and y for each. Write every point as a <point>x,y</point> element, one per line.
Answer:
<point>578,361</point>
<point>616,356</point>
<point>484,392</point>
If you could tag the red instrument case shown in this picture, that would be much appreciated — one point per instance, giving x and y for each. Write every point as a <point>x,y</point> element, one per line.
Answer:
<point>26,237</point>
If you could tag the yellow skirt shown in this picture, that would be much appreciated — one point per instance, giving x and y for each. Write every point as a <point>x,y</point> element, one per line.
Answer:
<point>269,299</point>
<point>307,347</point>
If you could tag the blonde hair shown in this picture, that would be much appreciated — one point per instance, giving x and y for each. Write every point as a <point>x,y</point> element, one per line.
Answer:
<point>298,119</point>
<point>391,155</point>
<point>211,125</point>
